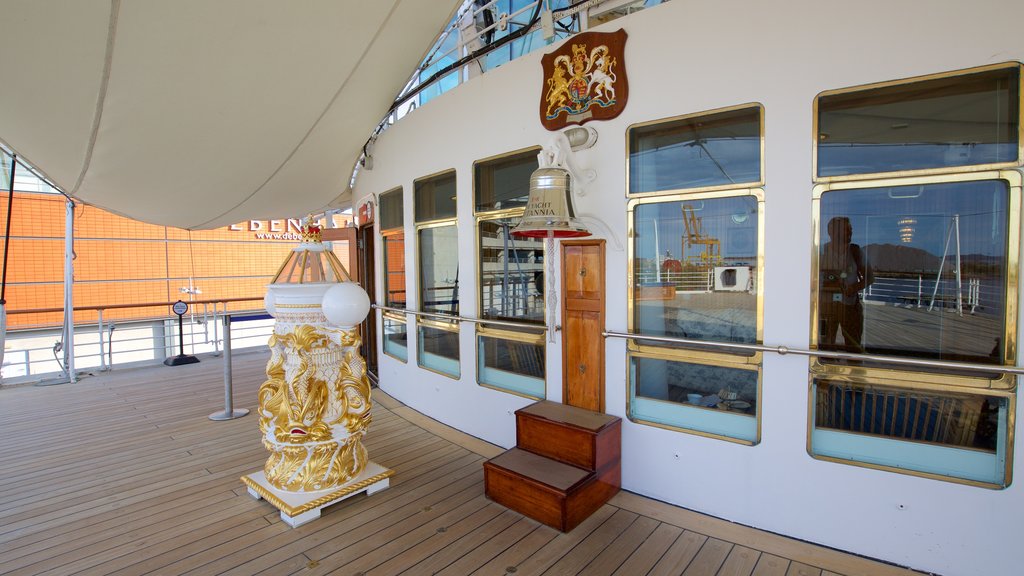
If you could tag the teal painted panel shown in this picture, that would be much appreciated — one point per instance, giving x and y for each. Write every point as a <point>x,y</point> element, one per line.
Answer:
<point>517,383</point>
<point>977,465</point>
<point>708,420</point>
<point>440,364</point>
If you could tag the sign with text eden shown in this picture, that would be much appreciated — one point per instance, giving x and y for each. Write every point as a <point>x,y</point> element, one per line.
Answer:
<point>284,229</point>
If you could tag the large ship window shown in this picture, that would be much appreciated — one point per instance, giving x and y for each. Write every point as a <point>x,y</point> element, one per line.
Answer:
<point>695,275</point>
<point>695,270</point>
<point>392,224</point>
<point>717,149</point>
<point>511,279</point>
<point>437,242</point>
<point>921,268</point>
<point>435,197</point>
<point>917,270</point>
<point>944,122</point>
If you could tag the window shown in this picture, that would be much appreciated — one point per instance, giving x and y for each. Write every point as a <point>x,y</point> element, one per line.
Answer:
<point>711,149</point>
<point>393,237</point>
<point>921,267</point>
<point>695,273</point>
<point>942,122</point>
<point>438,247</point>
<point>511,270</point>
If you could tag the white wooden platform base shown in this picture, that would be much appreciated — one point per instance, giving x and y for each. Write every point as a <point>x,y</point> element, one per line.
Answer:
<point>298,508</point>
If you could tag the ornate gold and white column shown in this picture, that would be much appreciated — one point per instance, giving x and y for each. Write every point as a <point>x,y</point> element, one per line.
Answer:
<point>314,408</point>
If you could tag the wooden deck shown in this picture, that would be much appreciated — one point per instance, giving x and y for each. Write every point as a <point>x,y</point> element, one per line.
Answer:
<point>122,473</point>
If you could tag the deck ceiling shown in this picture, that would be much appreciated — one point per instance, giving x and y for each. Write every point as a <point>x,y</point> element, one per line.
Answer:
<point>199,114</point>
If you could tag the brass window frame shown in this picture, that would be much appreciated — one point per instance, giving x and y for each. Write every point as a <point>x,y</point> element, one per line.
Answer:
<point>452,326</point>
<point>434,176</point>
<point>910,375</point>
<point>815,140</point>
<point>400,192</point>
<point>490,159</point>
<point>760,183</point>
<point>384,235</point>
<point>636,348</point>
<point>862,378</point>
<point>482,327</point>
<point>419,260</point>
<point>757,193</point>
<point>748,363</point>
<point>398,319</point>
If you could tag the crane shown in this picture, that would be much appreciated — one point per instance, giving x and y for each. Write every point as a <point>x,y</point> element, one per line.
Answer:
<point>711,255</point>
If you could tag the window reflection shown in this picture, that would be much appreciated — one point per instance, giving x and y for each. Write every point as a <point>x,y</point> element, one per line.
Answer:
<point>713,149</point>
<point>957,420</point>
<point>915,270</point>
<point>394,270</point>
<point>439,350</point>
<point>439,270</point>
<point>511,273</point>
<point>391,209</point>
<point>962,120</point>
<point>396,338</point>
<point>435,197</point>
<point>695,269</point>
<point>504,183</point>
<point>709,398</point>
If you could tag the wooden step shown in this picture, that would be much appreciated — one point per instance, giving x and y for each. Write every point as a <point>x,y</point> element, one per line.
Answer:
<point>564,467</point>
<point>546,490</point>
<point>589,440</point>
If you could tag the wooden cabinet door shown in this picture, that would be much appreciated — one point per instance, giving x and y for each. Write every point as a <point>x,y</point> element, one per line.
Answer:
<point>582,324</point>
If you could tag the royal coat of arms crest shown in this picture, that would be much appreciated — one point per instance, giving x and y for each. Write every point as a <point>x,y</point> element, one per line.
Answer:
<point>585,79</point>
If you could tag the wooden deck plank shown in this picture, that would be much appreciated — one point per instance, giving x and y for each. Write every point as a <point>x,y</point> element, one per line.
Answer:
<point>442,538</point>
<point>112,534</point>
<point>740,562</point>
<point>584,553</point>
<point>134,478</point>
<point>650,552</point>
<point>545,546</point>
<point>764,541</point>
<point>439,557</point>
<point>536,540</point>
<point>367,551</point>
<point>622,547</point>
<point>679,555</point>
<point>340,522</point>
<point>771,565</point>
<point>710,558</point>
<point>798,569</point>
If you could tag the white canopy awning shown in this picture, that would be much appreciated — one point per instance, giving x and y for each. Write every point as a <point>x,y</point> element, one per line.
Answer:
<point>202,113</point>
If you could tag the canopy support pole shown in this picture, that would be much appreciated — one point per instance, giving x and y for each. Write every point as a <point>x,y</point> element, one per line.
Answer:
<point>69,278</point>
<point>7,250</point>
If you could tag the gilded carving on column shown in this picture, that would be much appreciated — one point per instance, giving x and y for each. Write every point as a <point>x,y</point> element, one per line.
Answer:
<point>314,408</point>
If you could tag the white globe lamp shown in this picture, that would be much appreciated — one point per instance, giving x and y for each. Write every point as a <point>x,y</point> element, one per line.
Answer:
<point>269,303</point>
<point>346,305</point>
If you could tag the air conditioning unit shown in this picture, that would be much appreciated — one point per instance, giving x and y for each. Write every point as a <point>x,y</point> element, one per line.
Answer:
<point>732,279</point>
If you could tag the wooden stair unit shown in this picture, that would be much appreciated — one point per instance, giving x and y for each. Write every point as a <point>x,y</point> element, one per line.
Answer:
<point>566,464</point>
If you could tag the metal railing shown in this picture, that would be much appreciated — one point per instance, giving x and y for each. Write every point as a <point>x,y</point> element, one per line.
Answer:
<point>100,345</point>
<point>784,350</point>
<point>458,319</point>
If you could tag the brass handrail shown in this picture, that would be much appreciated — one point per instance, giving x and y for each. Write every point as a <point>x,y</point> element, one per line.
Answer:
<point>453,318</point>
<point>783,350</point>
<point>140,305</point>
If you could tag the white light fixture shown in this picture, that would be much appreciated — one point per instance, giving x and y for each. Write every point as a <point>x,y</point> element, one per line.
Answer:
<point>345,305</point>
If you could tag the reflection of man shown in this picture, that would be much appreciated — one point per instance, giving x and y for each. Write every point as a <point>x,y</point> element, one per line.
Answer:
<point>843,276</point>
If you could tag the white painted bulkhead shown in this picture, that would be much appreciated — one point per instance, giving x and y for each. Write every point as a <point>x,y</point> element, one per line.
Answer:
<point>685,57</point>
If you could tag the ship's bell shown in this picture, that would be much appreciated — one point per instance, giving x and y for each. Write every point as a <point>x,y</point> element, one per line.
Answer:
<point>549,212</point>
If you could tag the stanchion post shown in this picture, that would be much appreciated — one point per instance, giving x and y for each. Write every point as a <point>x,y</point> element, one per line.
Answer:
<point>229,413</point>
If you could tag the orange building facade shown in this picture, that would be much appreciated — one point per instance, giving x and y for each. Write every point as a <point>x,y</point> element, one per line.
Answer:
<point>122,261</point>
